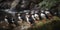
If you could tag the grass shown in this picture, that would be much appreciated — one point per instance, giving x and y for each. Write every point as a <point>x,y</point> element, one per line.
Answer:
<point>49,25</point>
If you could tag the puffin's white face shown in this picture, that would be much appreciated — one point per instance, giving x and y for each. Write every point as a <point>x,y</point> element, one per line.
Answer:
<point>55,13</point>
<point>26,13</point>
<point>32,12</point>
<point>22,6</point>
<point>42,10</point>
<point>18,14</point>
<point>6,16</point>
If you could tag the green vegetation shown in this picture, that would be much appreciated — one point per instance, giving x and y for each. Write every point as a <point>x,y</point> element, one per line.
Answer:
<point>49,25</point>
<point>48,3</point>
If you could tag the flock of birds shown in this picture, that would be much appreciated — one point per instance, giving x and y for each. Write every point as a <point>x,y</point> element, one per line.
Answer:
<point>26,16</point>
